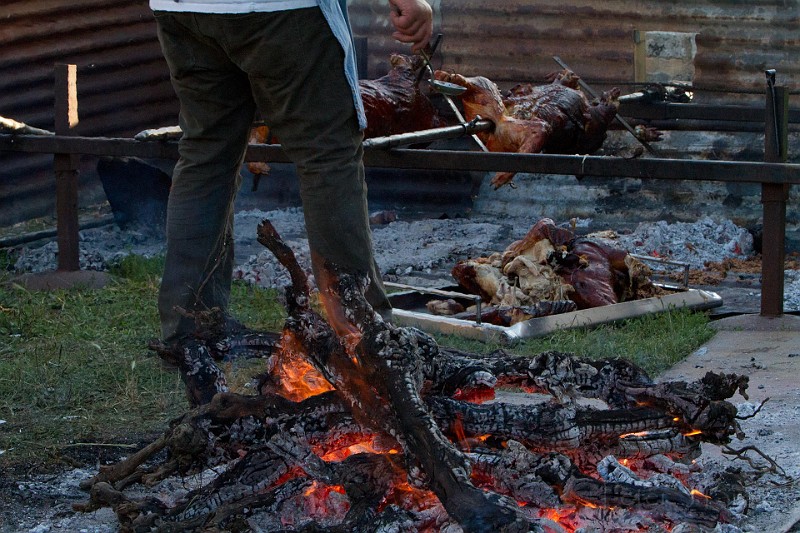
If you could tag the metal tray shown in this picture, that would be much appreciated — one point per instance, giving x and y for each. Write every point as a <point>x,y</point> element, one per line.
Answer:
<point>409,310</point>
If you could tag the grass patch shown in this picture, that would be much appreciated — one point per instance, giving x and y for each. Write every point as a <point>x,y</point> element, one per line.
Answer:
<point>75,368</point>
<point>654,342</point>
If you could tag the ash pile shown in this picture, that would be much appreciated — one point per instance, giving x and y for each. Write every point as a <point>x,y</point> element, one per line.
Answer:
<point>422,252</point>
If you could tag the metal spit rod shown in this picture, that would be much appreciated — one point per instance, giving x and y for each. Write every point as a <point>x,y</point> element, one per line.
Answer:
<point>448,132</point>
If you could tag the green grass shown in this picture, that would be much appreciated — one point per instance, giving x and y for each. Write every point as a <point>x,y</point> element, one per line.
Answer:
<point>75,369</point>
<point>654,342</point>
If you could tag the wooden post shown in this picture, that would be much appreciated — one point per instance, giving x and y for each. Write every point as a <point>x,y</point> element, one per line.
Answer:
<point>639,56</point>
<point>773,198</point>
<point>66,169</point>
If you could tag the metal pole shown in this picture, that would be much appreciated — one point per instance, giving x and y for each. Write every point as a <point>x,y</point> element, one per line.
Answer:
<point>66,169</point>
<point>424,136</point>
<point>773,198</point>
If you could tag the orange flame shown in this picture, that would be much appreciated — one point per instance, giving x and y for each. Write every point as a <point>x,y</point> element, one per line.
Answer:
<point>458,429</point>
<point>297,378</point>
<point>318,487</point>
<point>367,445</point>
<point>695,492</point>
<point>693,433</point>
<point>334,310</point>
<point>637,434</point>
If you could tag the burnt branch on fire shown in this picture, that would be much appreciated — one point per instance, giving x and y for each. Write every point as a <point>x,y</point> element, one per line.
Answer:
<point>385,430</point>
<point>381,379</point>
<point>586,433</point>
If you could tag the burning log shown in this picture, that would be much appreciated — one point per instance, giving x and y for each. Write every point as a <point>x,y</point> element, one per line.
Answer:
<point>384,430</point>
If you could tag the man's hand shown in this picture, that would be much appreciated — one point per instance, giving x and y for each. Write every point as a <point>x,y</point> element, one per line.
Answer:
<point>413,22</point>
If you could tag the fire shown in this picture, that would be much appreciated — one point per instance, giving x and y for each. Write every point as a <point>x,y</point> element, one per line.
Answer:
<point>637,434</point>
<point>368,444</point>
<point>408,497</point>
<point>458,429</point>
<point>693,433</point>
<point>697,493</point>
<point>297,378</point>
<point>315,487</point>
<point>334,310</point>
<point>476,395</point>
<point>320,501</point>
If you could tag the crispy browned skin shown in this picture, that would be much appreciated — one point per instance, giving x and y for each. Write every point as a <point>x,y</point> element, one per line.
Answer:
<point>511,133</point>
<point>394,103</point>
<point>553,118</point>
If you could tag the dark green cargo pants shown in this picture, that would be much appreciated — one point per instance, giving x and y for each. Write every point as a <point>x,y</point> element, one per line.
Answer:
<point>288,65</point>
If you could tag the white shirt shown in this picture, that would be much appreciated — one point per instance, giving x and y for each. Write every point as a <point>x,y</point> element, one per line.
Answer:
<point>229,6</point>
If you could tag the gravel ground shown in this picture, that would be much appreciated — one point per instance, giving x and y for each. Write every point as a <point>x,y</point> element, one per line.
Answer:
<point>422,251</point>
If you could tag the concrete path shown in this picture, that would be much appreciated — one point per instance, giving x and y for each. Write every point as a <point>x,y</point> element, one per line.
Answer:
<point>768,351</point>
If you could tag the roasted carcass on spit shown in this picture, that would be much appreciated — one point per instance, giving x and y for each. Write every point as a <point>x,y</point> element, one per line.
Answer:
<point>393,104</point>
<point>552,264</point>
<point>554,118</point>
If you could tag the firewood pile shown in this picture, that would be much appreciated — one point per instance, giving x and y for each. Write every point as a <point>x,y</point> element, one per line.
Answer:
<point>364,426</point>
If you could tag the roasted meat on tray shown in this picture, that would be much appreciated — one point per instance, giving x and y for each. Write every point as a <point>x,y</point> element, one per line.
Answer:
<point>552,264</point>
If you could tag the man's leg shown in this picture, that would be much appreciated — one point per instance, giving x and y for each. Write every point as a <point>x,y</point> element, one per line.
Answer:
<point>298,81</point>
<point>216,113</point>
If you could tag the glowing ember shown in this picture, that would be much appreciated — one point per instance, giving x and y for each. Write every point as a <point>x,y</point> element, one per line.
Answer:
<point>319,501</point>
<point>298,380</point>
<point>369,444</point>
<point>637,434</point>
<point>476,395</point>
<point>408,497</point>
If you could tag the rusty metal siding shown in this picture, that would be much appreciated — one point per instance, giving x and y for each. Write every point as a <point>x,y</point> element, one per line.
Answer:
<point>513,41</point>
<point>123,85</point>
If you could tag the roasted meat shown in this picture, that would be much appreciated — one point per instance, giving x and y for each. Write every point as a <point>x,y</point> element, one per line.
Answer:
<point>552,264</point>
<point>393,104</point>
<point>553,118</point>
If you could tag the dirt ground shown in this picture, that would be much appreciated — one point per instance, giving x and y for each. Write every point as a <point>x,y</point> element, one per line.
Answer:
<point>767,350</point>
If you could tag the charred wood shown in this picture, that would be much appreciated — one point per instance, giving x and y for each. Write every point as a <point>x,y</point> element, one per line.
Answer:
<point>551,480</point>
<point>402,436</point>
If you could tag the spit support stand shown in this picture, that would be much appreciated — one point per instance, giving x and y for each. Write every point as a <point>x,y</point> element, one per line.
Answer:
<point>447,90</point>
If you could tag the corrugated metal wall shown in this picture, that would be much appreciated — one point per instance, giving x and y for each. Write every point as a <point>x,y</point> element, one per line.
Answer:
<point>510,41</point>
<point>123,84</point>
